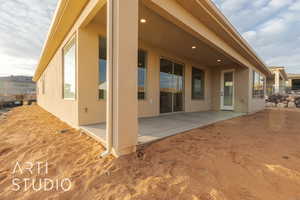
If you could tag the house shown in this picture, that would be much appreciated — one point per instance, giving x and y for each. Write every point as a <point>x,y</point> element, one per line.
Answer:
<point>16,85</point>
<point>294,82</point>
<point>277,83</point>
<point>132,71</point>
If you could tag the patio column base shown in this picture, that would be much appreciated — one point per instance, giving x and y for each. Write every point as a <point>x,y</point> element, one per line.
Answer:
<point>123,151</point>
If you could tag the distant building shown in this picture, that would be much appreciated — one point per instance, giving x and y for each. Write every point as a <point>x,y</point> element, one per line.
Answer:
<point>294,82</point>
<point>16,85</point>
<point>277,83</point>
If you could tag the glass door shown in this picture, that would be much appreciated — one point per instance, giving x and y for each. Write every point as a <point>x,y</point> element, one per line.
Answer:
<point>227,90</point>
<point>171,86</point>
<point>178,88</point>
<point>166,86</point>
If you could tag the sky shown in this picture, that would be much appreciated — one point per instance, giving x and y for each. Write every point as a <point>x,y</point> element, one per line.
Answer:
<point>23,28</point>
<point>272,27</point>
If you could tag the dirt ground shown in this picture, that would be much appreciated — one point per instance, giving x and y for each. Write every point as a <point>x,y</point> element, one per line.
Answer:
<point>255,157</point>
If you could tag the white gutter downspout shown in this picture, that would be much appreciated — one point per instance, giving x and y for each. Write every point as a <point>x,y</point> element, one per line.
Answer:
<point>109,79</point>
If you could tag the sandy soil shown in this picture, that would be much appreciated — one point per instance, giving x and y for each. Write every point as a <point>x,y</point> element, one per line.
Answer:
<point>254,157</point>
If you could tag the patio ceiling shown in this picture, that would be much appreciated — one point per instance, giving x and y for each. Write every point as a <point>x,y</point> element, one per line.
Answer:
<point>161,33</point>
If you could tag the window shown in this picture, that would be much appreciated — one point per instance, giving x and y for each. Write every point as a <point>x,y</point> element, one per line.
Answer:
<point>69,70</point>
<point>142,74</point>
<point>43,84</point>
<point>258,85</point>
<point>197,83</point>
<point>102,68</point>
<point>37,88</point>
<point>295,84</point>
<point>142,71</point>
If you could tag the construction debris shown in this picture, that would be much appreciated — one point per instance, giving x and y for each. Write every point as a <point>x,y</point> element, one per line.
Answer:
<point>283,101</point>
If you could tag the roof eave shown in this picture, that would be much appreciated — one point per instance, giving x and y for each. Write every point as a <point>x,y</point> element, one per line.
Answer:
<point>238,36</point>
<point>55,20</point>
<point>234,34</point>
<point>66,13</point>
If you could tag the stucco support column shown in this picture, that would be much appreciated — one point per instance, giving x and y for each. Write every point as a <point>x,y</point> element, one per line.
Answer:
<point>250,90</point>
<point>122,102</point>
<point>277,82</point>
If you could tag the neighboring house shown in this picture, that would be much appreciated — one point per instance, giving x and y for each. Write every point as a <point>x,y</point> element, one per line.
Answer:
<point>294,82</point>
<point>277,83</point>
<point>16,85</point>
<point>119,61</point>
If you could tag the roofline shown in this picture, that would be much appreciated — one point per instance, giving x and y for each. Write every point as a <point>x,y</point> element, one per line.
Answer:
<point>284,73</point>
<point>55,20</point>
<point>293,76</point>
<point>51,45</point>
<point>211,9</point>
<point>234,33</point>
<point>281,69</point>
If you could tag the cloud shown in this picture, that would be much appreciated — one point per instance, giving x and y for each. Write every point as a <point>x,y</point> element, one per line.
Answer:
<point>279,3</point>
<point>23,28</point>
<point>295,6</point>
<point>272,27</point>
<point>19,66</point>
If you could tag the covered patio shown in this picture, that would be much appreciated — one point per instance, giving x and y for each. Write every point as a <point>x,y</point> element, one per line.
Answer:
<point>156,70</point>
<point>155,128</point>
<point>131,72</point>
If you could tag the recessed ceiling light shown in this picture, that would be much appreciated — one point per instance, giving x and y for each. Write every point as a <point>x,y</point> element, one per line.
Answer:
<point>194,47</point>
<point>143,21</point>
<point>219,60</point>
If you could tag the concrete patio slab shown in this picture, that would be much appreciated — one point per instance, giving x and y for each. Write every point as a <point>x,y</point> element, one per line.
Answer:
<point>154,128</point>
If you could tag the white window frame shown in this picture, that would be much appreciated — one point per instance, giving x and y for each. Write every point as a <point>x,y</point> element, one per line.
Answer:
<point>72,41</point>
<point>204,84</point>
<point>258,96</point>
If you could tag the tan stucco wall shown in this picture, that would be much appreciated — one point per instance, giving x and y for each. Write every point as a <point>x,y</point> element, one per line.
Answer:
<point>270,83</point>
<point>240,90</point>
<point>92,110</point>
<point>150,106</point>
<point>255,104</point>
<point>52,100</point>
<point>197,105</point>
<point>87,109</point>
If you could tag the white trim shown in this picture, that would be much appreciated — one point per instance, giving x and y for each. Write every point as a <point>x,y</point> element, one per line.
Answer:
<point>110,123</point>
<point>147,78</point>
<point>69,44</point>
<point>222,107</point>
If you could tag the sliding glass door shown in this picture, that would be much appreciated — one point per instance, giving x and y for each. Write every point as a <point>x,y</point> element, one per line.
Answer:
<point>171,86</point>
<point>166,86</point>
